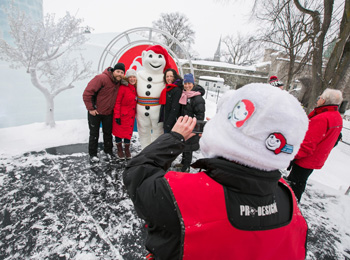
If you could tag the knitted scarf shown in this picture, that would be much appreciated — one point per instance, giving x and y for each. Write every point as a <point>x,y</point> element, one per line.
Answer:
<point>162,98</point>
<point>186,95</point>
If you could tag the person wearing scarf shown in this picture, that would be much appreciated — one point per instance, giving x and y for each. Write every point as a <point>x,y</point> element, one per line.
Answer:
<point>193,105</point>
<point>169,99</point>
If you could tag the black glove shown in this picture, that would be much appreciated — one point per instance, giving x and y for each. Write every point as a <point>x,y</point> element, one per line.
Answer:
<point>290,165</point>
<point>117,120</point>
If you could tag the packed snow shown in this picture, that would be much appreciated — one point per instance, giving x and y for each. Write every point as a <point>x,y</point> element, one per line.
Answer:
<point>324,204</point>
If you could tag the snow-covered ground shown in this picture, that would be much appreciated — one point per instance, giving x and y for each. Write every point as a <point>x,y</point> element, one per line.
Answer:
<point>325,205</point>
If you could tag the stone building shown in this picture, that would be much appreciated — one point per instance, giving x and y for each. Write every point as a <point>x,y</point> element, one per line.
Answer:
<point>277,64</point>
<point>233,75</point>
<point>274,63</point>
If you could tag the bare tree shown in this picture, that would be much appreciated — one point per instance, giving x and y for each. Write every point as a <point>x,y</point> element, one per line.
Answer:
<point>241,50</point>
<point>43,48</point>
<point>177,25</point>
<point>339,59</point>
<point>286,29</point>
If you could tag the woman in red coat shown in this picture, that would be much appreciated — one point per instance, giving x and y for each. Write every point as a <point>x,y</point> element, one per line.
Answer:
<point>124,115</point>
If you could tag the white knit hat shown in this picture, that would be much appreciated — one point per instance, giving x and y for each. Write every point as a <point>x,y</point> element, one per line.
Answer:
<point>130,72</point>
<point>257,126</point>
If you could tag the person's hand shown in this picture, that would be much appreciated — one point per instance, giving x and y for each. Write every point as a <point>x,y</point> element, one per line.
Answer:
<point>93,112</point>
<point>117,120</point>
<point>184,126</point>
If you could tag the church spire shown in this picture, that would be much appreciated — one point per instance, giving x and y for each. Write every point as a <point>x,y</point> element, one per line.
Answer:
<point>217,54</point>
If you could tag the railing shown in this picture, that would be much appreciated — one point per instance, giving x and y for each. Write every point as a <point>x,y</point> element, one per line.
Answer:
<point>346,140</point>
<point>346,135</point>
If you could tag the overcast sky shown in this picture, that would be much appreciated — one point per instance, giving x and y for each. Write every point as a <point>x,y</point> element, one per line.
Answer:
<point>210,18</point>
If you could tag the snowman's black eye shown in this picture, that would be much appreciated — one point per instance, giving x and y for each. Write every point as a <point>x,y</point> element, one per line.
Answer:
<point>160,56</point>
<point>150,56</point>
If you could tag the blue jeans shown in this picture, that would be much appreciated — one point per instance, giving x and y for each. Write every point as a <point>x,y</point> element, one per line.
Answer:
<point>119,140</point>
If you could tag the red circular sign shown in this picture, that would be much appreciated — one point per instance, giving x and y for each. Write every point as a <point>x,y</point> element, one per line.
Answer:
<point>132,58</point>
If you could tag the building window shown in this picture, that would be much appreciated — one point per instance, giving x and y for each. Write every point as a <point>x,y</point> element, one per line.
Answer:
<point>206,83</point>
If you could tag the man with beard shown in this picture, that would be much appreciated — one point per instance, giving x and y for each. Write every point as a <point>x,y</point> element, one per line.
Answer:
<point>99,97</point>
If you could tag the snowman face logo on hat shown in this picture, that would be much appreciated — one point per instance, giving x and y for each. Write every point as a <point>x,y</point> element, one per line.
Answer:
<point>277,143</point>
<point>242,111</point>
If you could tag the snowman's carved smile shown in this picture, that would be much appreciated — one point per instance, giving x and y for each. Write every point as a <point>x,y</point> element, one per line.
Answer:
<point>156,67</point>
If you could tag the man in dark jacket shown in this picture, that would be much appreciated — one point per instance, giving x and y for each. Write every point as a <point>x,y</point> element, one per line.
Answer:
<point>99,97</point>
<point>325,126</point>
<point>238,207</point>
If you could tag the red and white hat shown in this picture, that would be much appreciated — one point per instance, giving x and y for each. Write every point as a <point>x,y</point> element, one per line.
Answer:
<point>273,79</point>
<point>275,82</point>
<point>160,50</point>
<point>257,126</point>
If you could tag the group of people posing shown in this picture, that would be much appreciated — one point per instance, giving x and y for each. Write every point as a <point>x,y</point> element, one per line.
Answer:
<point>111,99</point>
<point>237,206</point>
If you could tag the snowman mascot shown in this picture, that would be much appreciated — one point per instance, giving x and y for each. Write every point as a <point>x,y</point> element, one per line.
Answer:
<point>155,60</point>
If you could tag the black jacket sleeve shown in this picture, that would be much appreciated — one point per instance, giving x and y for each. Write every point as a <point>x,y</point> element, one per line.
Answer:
<point>199,108</point>
<point>174,110</point>
<point>146,185</point>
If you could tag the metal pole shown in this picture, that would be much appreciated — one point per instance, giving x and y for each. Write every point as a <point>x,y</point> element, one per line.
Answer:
<point>348,191</point>
<point>217,97</point>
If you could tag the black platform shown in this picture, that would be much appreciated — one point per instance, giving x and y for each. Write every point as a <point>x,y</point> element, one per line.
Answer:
<point>56,205</point>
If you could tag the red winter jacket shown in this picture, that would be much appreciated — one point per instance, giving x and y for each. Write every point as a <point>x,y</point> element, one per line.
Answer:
<point>125,109</point>
<point>106,88</point>
<point>325,125</point>
<point>209,233</point>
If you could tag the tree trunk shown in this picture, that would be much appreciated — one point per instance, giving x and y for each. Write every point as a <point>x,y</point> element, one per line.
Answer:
<point>50,109</point>
<point>317,85</point>
<point>340,57</point>
<point>50,119</point>
<point>319,33</point>
<point>343,68</point>
<point>290,72</point>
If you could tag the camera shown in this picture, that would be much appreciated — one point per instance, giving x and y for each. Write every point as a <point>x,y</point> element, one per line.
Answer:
<point>199,127</point>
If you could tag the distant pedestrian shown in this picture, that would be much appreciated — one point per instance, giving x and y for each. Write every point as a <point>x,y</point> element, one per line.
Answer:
<point>325,125</point>
<point>275,82</point>
<point>99,97</point>
<point>169,99</point>
<point>124,115</point>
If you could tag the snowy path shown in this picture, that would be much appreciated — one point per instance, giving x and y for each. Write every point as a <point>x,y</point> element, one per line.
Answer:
<point>56,206</point>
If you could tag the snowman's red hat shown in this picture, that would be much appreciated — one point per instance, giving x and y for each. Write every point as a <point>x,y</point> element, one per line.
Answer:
<point>160,50</point>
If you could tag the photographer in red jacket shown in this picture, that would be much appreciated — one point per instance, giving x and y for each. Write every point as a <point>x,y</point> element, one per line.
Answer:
<point>236,206</point>
<point>325,125</point>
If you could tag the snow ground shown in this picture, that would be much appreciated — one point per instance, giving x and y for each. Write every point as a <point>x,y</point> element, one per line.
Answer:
<point>324,205</point>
